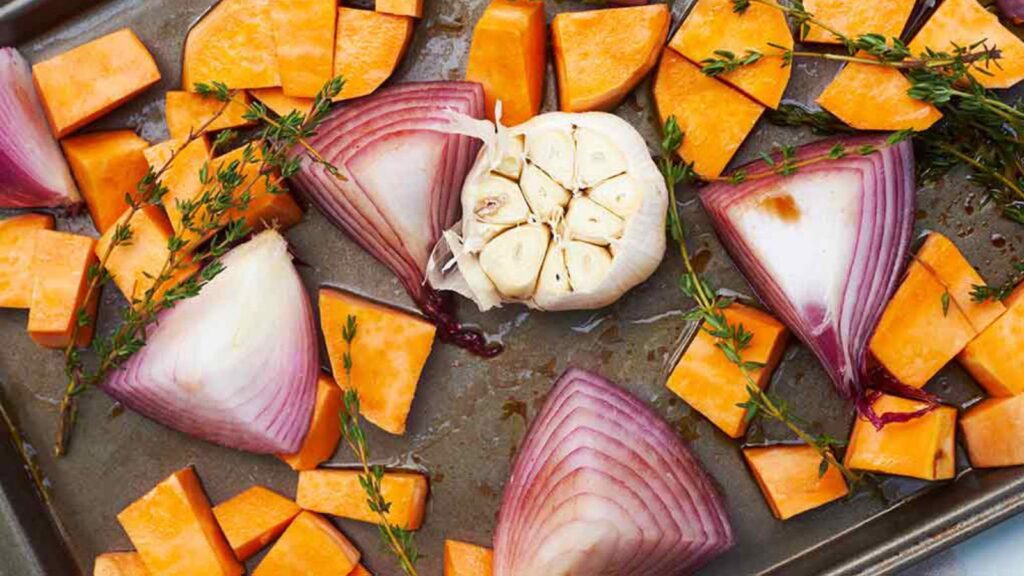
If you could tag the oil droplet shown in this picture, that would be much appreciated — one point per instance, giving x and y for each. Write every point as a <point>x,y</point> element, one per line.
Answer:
<point>610,335</point>
<point>783,206</point>
<point>701,259</point>
<point>998,240</point>
<point>921,214</point>
<point>116,410</point>
<point>549,368</point>
<point>513,407</point>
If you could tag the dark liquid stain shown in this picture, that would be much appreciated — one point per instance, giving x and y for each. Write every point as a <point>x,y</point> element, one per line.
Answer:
<point>549,368</point>
<point>701,259</point>
<point>921,214</point>
<point>998,240</point>
<point>605,356</point>
<point>437,477</point>
<point>116,410</point>
<point>783,206</point>
<point>650,356</point>
<point>687,427</point>
<point>487,491</point>
<point>610,336</point>
<point>513,407</point>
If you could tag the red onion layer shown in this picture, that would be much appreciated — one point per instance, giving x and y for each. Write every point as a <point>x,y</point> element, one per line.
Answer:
<point>602,486</point>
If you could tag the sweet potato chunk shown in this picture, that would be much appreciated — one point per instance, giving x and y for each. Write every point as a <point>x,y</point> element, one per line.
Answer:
<point>508,57</point>
<point>715,118</point>
<point>412,8</point>
<point>119,564</point>
<point>233,44</point>
<point>107,166</point>
<point>360,570</point>
<point>392,348</point>
<point>266,208</point>
<point>89,81</point>
<point>921,448</point>
<point>869,97</point>
<point>311,546</point>
<point>601,55</point>
<point>369,47</point>
<point>853,19</point>
<point>60,271</point>
<point>324,431</point>
<point>17,246</point>
<point>943,259</point>
<point>993,430</point>
<point>253,519</point>
<point>791,480</point>
<point>181,176</point>
<point>188,112</point>
<point>993,358</point>
<point>713,385</point>
<point>338,493</point>
<point>965,22</point>
<point>714,25</point>
<point>275,100</point>
<point>174,530</point>
<point>465,559</point>
<point>304,36</point>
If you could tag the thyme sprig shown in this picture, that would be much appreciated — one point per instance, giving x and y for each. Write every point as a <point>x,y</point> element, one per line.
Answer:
<point>981,293</point>
<point>732,339</point>
<point>398,540</point>
<point>725,61</point>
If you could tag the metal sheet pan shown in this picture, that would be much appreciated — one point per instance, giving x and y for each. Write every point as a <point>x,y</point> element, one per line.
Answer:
<point>470,414</point>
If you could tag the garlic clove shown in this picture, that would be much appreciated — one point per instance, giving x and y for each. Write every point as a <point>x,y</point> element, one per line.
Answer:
<point>590,222</point>
<point>513,259</point>
<point>498,200</point>
<point>597,158</point>
<point>545,197</point>
<point>554,277</point>
<point>511,165</point>
<point>587,264</point>
<point>554,152</point>
<point>622,194</point>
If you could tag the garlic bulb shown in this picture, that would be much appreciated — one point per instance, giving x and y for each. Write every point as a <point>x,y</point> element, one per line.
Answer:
<point>563,212</point>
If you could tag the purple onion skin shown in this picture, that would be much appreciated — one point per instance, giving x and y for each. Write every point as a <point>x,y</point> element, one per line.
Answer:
<point>1012,9</point>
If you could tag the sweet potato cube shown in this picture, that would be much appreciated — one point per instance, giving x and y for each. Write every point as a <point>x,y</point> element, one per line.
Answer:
<point>175,532</point>
<point>311,546</point>
<point>869,97</point>
<point>339,493</point>
<point>17,245</point>
<point>993,431</point>
<point>412,8</point>
<point>392,347</point>
<point>922,448</point>
<point>601,55</point>
<point>266,207</point>
<point>715,118</point>
<point>360,570</point>
<point>60,271</point>
<point>713,25</point>
<point>181,176</point>
<point>942,258</point>
<point>304,36</point>
<point>89,81</point>
<point>119,564</point>
<point>107,166</point>
<point>965,22</point>
<point>791,481</point>
<point>253,519</point>
<point>233,44</point>
<point>368,48</point>
<point>280,104</point>
<point>713,385</point>
<point>853,19</point>
<point>465,559</point>
<point>324,431</point>
<point>993,358</point>
<point>188,112</point>
<point>508,57</point>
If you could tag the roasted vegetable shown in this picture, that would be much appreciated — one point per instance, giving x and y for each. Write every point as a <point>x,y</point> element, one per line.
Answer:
<point>465,559</point>
<point>233,44</point>
<point>324,430</point>
<point>311,546</point>
<point>60,271</point>
<point>993,358</point>
<point>304,41</point>
<point>370,45</point>
<point>340,493</point>
<point>17,247</point>
<point>254,518</point>
<point>108,167</point>
<point>793,480</point>
<point>188,113</point>
<point>993,430</point>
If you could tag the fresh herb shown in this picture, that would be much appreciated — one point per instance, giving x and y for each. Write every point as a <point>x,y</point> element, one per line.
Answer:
<point>981,293</point>
<point>820,122</point>
<point>725,61</point>
<point>398,540</point>
<point>945,303</point>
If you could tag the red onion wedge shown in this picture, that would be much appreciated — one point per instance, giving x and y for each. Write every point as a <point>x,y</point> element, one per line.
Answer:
<point>602,486</point>
<point>403,166</point>
<point>236,365</point>
<point>824,248</point>
<point>33,172</point>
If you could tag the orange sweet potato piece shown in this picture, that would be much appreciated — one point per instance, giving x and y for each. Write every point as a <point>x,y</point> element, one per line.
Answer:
<point>713,385</point>
<point>324,431</point>
<point>993,358</point>
<point>601,55</point>
<point>790,478</point>
<point>181,176</point>
<point>715,118</point>
<point>233,44</point>
<point>393,347</point>
<point>187,112</point>
<point>265,209</point>
<point>965,22</point>
<point>304,36</point>
<point>119,564</point>
<point>856,18</point>
<point>175,532</point>
<point>508,57</point>
<point>280,104</point>
<point>369,47</point>
<point>107,166</point>
<point>89,81</point>
<point>254,518</point>
<point>60,270</point>
<point>943,259</point>
<point>714,25</point>
<point>922,448</point>
<point>17,245</point>
<point>465,559</point>
<point>338,493</point>
<point>360,570</point>
<point>869,97</point>
<point>311,546</point>
<point>993,430</point>
<point>412,8</point>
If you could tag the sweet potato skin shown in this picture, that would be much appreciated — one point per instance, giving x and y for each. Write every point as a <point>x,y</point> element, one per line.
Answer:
<point>369,47</point>
<point>17,247</point>
<point>233,44</point>
<point>60,270</point>
<point>790,479</point>
<point>339,493</point>
<point>993,358</point>
<point>993,430</point>
<point>310,546</point>
<point>107,166</point>
<point>325,430</point>
<point>304,38</point>
<point>869,97</point>
<point>254,518</point>
<point>465,559</point>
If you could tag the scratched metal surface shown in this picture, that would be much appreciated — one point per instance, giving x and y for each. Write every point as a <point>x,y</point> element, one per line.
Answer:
<point>470,414</point>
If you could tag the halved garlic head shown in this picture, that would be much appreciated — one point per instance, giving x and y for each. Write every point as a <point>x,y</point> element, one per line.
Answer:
<point>563,212</point>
